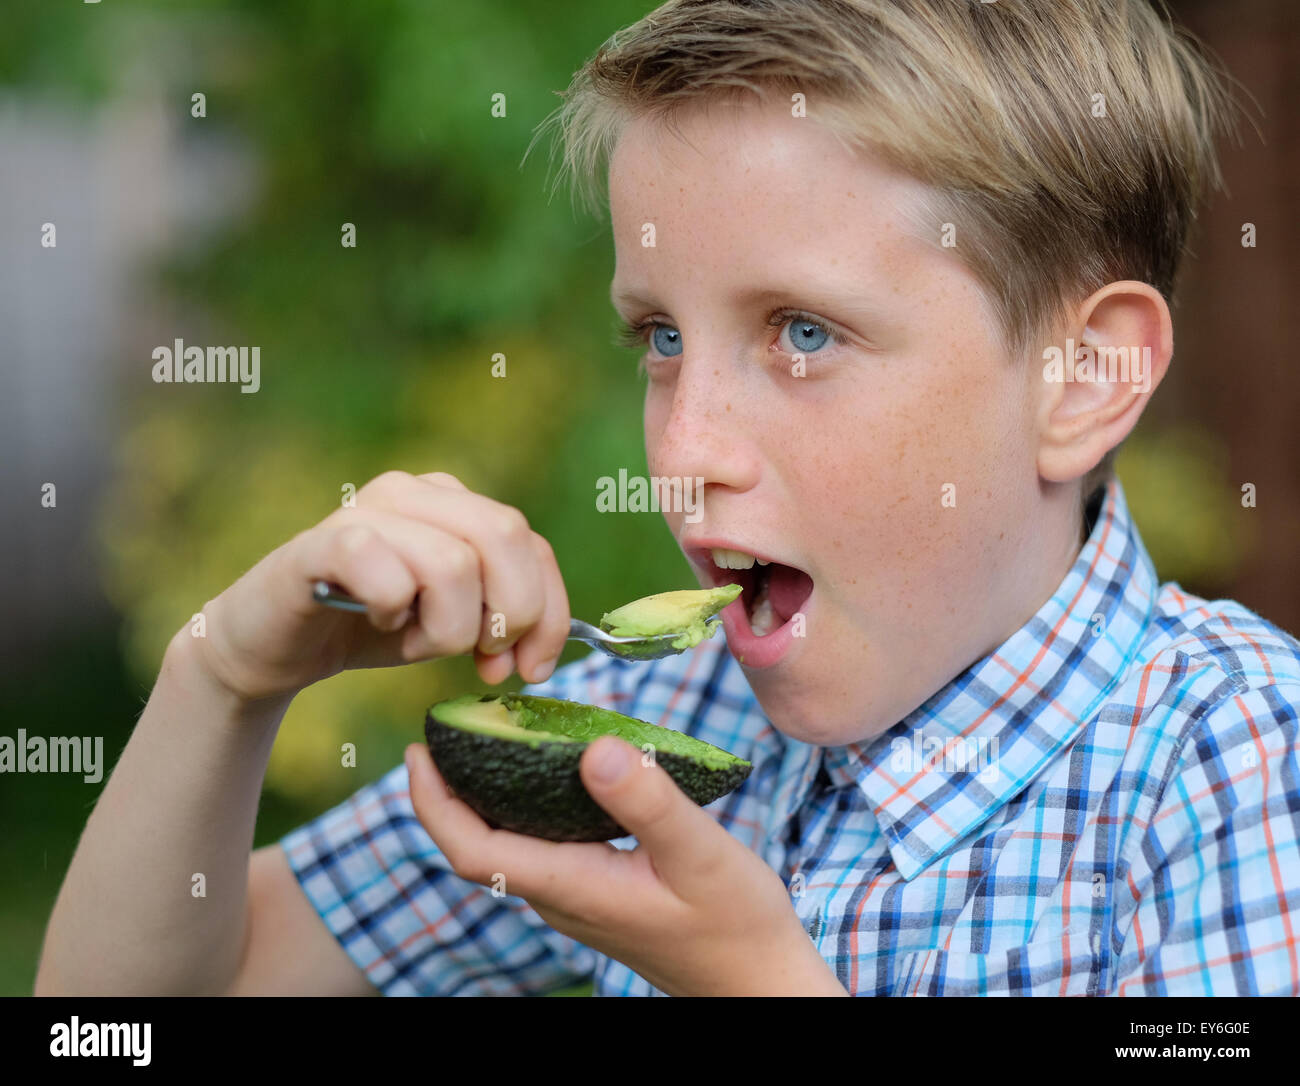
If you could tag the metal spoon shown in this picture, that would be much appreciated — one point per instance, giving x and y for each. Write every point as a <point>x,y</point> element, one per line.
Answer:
<point>625,648</point>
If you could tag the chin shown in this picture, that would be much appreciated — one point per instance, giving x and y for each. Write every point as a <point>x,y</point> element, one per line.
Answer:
<point>811,717</point>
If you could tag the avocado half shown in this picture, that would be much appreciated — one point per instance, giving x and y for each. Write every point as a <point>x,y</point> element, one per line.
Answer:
<point>514,759</point>
<point>685,612</point>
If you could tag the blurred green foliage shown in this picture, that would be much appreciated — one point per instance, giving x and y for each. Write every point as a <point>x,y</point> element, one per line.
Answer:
<point>380,356</point>
<point>1186,508</point>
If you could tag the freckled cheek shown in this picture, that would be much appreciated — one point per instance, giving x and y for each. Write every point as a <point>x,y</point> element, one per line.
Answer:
<point>879,476</point>
<point>838,479</point>
<point>653,417</point>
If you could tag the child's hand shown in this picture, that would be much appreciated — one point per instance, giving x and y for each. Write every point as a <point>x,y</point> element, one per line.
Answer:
<point>691,910</point>
<point>486,582</point>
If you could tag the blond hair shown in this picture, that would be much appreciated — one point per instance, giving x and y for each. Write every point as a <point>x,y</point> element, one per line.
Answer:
<point>1069,140</point>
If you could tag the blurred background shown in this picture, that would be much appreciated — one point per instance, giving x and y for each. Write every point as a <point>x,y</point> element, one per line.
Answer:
<point>225,228</point>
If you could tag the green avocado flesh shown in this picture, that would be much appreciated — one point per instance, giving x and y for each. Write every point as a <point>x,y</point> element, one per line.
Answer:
<point>514,759</point>
<point>685,612</point>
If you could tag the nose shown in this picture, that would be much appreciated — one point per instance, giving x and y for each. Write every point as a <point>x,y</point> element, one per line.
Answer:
<point>704,433</point>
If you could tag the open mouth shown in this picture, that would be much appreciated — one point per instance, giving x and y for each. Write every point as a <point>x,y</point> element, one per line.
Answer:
<point>772,593</point>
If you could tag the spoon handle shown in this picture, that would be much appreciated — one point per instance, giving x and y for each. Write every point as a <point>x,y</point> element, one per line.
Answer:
<point>333,596</point>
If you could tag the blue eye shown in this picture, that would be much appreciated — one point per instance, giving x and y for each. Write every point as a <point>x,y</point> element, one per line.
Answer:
<point>808,335</point>
<point>667,341</point>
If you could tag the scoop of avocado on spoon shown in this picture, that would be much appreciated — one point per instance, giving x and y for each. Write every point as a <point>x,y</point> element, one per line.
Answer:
<point>684,616</point>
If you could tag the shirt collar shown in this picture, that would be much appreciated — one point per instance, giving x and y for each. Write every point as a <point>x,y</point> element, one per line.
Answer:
<point>949,765</point>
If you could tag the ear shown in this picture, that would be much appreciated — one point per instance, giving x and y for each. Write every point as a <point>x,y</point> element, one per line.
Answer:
<point>1096,383</point>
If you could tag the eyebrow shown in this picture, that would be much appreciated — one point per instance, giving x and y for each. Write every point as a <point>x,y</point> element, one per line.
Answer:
<point>751,294</point>
<point>831,296</point>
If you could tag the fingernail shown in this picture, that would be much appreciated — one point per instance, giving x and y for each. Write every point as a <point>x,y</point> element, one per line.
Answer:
<point>609,763</point>
<point>545,671</point>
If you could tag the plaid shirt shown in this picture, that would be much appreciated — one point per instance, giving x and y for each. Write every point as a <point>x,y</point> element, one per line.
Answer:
<point>1107,804</point>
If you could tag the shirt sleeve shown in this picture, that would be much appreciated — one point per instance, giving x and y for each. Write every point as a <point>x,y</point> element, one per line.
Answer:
<point>1213,894</point>
<point>386,892</point>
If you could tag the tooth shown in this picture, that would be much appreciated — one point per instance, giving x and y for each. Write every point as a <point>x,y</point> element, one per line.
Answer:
<point>762,616</point>
<point>761,561</point>
<point>763,619</point>
<point>729,559</point>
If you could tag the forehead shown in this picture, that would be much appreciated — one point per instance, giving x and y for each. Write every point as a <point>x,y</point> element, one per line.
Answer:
<point>732,187</point>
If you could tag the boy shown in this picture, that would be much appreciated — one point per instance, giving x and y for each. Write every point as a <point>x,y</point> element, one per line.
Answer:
<point>992,754</point>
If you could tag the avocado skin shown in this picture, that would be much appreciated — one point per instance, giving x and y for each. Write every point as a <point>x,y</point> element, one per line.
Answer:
<point>537,790</point>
